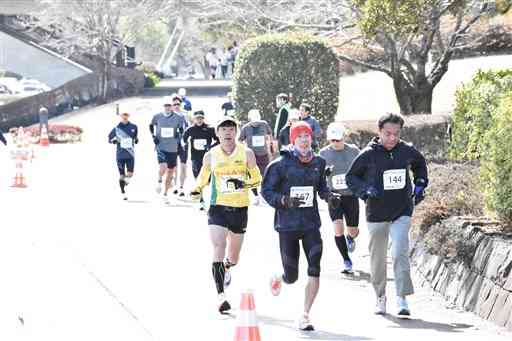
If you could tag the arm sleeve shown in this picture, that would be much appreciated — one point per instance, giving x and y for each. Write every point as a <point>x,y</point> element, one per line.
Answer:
<point>2,138</point>
<point>186,135</point>
<point>152,125</point>
<point>323,190</point>
<point>419,168</point>
<point>271,181</point>
<point>356,174</point>
<point>111,135</point>
<point>242,136</point>
<point>136,135</point>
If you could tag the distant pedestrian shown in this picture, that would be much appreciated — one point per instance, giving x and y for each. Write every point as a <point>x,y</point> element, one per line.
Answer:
<point>284,134</point>
<point>229,107</point>
<point>213,62</point>
<point>43,119</point>
<point>224,63</point>
<point>283,106</point>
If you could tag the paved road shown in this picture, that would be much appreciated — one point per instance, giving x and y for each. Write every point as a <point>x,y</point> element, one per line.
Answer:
<point>79,264</point>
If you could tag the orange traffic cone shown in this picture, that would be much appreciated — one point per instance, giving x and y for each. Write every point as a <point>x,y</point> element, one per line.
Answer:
<point>19,178</point>
<point>247,329</point>
<point>44,140</point>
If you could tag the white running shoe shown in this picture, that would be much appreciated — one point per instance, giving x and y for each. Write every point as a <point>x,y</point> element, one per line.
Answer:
<point>223,304</point>
<point>276,283</point>
<point>165,199</point>
<point>403,308</point>
<point>124,196</point>
<point>159,187</point>
<point>305,323</point>
<point>380,306</point>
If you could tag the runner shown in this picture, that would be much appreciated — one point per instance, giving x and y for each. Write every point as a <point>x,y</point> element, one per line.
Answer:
<point>257,135</point>
<point>165,128</point>
<point>339,156</point>
<point>202,137</point>
<point>181,174</point>
<point>291,185</point>
<point>282,115</point>
<point>233,170</point>
<point>380,176</point>
<point>284,134</point>
<point>124,135</point>
<point>305,115</point>
<point>229,107</point>
<point>2,138</point>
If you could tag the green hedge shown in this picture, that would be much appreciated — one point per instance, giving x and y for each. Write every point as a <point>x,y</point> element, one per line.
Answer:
<point>473,114</point>
<point>300,64</point>
<point>496,163</point>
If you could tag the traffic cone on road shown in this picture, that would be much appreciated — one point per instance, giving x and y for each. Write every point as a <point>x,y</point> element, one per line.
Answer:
<point>247,329</point>
<point>19,178</point>
<point>44,140</point>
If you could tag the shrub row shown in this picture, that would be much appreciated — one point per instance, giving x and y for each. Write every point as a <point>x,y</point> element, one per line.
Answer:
<point>482,130</point>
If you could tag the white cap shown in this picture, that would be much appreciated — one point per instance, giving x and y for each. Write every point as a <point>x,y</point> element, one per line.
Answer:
<point>336,131</point>
<point>182,92</point>
<point>254,115</point>
<point>293,115</point>
<point>167,100</point>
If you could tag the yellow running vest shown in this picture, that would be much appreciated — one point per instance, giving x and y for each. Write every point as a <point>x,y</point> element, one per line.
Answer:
<point>224,167</point>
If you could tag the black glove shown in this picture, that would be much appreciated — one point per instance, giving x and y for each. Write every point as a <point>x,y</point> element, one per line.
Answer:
<point>419,194</point>
<point>155,140</point>
<point>289,202</point>
<point>371,192</point>
<point>237,183</point>
<point>329,170</point>
<point>136,140</point>
<point>114,140</point>
<point>334,199</point>
<point>195,195</point>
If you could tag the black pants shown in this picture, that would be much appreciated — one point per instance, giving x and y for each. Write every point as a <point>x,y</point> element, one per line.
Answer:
<point>289,243</point>
<point>196,167</point>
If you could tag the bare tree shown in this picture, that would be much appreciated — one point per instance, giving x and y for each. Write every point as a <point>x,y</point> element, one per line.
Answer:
<point>89,27</point>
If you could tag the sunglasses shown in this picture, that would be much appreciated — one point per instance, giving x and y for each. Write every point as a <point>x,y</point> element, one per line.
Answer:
<point>336,140</point>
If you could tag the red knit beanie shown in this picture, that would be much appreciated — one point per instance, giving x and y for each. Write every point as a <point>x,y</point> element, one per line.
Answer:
<point>299,128</point>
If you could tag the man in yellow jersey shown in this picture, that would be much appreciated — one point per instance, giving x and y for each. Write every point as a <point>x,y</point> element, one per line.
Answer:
<point>232,171</point>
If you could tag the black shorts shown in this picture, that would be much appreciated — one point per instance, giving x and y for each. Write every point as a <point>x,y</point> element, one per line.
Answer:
<point>196,167</point>
<point>232,218</point>
<point>167,157</point>
<point>289,244</point>
<point>348,208</point>
<point>124,165</point>
<point>183,153</point>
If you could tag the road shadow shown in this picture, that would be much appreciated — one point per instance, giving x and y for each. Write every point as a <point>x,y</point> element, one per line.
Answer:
<point>311,335</point>
<point>414,323</point>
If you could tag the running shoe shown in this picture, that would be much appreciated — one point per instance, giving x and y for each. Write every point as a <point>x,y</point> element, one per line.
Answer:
<point>347,267</point>
<point>305,323</point>
<point>227,278</point>
<point>380,306</point>
<point>175,192</point>
<point>275,285</point>
<point>223,304</point>
<point>165,198</point>
<point>159,187</point>
<point>124,196</point>
<point>182,194</point>
<point>351,244</point>
<point>403,308</point>
<point>202,206</point>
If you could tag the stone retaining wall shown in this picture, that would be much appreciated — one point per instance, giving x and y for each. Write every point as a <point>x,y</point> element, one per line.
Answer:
<point>483,285</point>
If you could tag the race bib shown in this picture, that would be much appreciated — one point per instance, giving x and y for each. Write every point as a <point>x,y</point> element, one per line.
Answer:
<point>228,187</point>
<point>167,132</point>
<point>303,192</point>
<point>394,179</point>
<point>258,141</point>
<point>338,182</point>
<point>126,143</point>
<point>200,144</point>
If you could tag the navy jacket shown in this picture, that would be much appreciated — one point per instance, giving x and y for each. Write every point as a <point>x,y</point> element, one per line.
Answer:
<point>286,172</point>
<point>128,130</point>
<point>368,169</point>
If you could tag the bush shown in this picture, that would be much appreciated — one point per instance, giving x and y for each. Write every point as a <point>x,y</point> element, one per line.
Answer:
<point>453,191</point>
<point>496,169</point>
<point>473,115</point>
<point>428,133</point>
<point>296,63</point>
<point>151,80</point>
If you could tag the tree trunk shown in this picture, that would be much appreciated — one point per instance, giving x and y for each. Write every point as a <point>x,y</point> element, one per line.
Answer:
<point>413,100</point>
